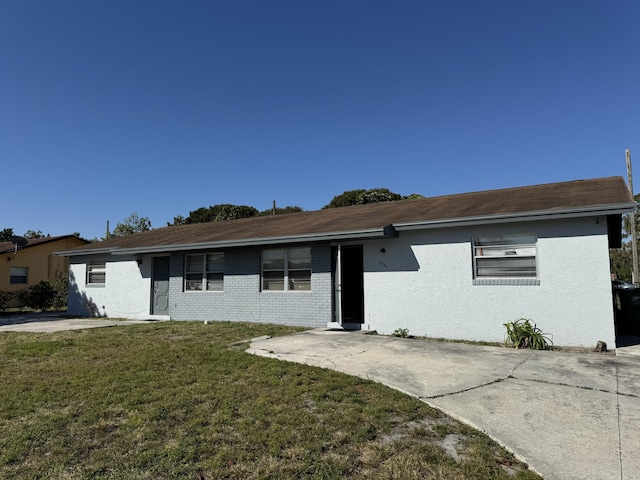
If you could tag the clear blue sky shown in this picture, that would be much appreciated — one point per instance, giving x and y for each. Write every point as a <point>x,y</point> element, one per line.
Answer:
<point>162,107</point>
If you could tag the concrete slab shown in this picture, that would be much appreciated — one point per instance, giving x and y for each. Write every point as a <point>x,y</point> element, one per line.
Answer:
<point>54,322</point>
<point>595,371</point>
<point>568,415</point>
<point>629,436</point>
<point>560,432</point>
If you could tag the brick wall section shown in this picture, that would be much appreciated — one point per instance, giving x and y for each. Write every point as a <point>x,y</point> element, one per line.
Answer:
<point>242,300</point>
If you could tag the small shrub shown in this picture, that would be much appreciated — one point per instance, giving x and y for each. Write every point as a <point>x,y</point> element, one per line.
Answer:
<point>39,296</point>
<point>523,334</point>
<point>5,297</point>
<point>401,332</point>
<point>61,287</point>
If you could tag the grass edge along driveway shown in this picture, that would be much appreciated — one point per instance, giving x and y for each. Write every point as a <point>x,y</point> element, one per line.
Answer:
<point>174,400</point>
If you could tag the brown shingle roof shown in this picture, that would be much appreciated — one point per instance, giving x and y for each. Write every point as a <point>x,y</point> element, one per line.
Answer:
<point>6,247</point>
<point>598,196</point>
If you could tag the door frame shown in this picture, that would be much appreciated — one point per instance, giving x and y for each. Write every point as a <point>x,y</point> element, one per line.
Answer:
<point>339,274</point>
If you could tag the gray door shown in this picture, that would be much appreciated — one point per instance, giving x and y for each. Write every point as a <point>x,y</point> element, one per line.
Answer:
<point>160,304</point>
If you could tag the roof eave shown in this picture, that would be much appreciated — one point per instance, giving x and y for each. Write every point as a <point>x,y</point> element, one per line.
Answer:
<point>384,232</point>
<point>84,251</point>
<point>621,208</point>
<point>252,242</point>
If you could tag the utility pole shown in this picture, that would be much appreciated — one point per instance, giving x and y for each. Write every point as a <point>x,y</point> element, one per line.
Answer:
<point>634,238</point>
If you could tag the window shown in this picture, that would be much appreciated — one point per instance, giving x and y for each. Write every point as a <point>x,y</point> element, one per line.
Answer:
<point>18,275</point>
<point>204,272</point>
<point>96,272</point>
<point>507,256</point>
<point>286,269</point>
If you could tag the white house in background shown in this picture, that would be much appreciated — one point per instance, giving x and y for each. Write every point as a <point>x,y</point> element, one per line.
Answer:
<point>456,266</point>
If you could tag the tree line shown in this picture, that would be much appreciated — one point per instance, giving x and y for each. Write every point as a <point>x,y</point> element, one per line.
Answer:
<point>225,211</point>
<point>220,212</point>
<point>621,259</point>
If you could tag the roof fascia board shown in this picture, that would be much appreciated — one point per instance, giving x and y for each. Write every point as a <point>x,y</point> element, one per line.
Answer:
<point>93,251</point>
<point>523,217</point>
<point>387,231</point>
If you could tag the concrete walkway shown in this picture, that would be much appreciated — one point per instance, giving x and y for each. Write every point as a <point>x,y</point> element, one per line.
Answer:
<point>568,415</point>
<point>55,322</point>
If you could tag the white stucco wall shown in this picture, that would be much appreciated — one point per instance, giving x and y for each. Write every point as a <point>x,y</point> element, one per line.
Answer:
<point>128,294</point>
<point>424,282</point>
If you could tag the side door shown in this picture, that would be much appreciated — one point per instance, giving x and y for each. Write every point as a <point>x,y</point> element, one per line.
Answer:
<point>160,285</point>
<point>351,286</point>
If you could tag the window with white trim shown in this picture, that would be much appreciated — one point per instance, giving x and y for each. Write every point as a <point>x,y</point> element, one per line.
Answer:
<point>19,275</point>
<point>286,269</point>
<point>204,272</point>
<point>96,273</point>
<point>505,256</point>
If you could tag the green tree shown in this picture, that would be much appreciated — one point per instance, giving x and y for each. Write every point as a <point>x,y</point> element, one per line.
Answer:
<point>621,259</point>
<point>6,234</point>
<point>132,224</point>
<point>33,234</point>
<point>361,197</point>
<point>281,211</point>
<point>225,211</point>
<point>377,195</point>
<point>216,213</point>
<point>346,199</point>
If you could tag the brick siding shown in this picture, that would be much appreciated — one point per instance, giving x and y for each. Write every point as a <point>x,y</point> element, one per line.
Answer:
<point>242,300</point>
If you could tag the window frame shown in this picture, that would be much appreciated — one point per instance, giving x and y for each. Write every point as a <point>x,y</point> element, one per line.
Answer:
<point>96,268</point>
<point>207,274</point>
<point>13,276</point>
<point>290,273</point>
<point>499,250</point>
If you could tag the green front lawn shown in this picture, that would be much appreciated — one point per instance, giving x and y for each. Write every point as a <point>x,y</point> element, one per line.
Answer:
<point>172,400</point>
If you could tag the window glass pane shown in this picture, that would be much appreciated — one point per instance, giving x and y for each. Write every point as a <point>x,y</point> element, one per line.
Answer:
<point>299,258</point>
<point>506,240</point>
<point>505,256</point>
<point>215,282</point>
<point>273,280</point>
<point>215,262</point>
<point>273,259</point>
<point>97,277</point>
<point>193,282</point>
<point>300,280</point>
<point>506,267</point>
<point>505,250</point>
<point>96,273</point>
<point>18,275</point>
<point>193,263</point>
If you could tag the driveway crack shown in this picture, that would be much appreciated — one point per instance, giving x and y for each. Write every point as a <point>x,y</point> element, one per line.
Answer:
<point>497,380</point>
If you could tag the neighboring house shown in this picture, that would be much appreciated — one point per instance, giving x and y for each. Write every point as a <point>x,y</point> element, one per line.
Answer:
<point>23,266</point>
<point>457,266</point>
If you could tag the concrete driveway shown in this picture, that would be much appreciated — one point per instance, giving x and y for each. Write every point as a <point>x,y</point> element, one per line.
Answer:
<point>568,415</point>
<point>55,322</point>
